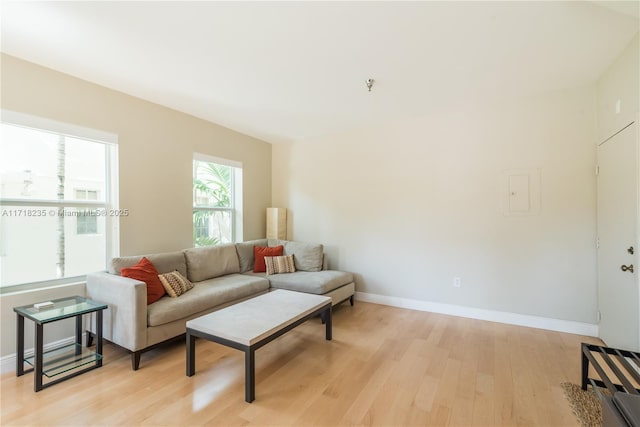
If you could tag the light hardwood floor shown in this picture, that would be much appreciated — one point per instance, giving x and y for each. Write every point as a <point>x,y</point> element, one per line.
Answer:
<point>385,366</point>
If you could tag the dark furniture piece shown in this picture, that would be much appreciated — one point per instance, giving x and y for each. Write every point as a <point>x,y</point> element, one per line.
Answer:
<point>71,359</point>
<point>619,371</point>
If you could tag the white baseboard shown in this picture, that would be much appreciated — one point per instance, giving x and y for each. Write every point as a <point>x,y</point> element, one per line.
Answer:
<point>8,363</point>
<point>578,328</point>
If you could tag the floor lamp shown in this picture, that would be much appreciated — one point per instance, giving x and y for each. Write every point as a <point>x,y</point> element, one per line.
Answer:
<point>277,223</point>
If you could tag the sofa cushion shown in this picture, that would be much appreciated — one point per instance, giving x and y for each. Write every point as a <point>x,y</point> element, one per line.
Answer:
<point>175,283</point>
<point>312,282</point>
<point>211,261</point>
<point>146,272</point>
<point>260,253</point>
<point>245,253</point>
<point>307,256</point>
<point>164,262</point>
<point>279,264</point>
<point>205,295</point>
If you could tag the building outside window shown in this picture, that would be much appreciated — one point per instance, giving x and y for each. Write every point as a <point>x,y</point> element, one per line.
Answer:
<point>86,194</point>
<point>217,201</point>
<point>86,223</point>
<point>58,201</point>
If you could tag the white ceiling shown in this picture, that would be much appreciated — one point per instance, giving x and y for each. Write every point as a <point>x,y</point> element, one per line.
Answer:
<point>291,70</point>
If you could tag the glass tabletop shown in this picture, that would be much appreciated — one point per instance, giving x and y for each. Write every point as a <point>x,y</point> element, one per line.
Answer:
<point>61,309</point>
<point>64,359</point>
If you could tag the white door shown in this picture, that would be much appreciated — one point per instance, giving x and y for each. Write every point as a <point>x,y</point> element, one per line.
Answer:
<point>618,296</point>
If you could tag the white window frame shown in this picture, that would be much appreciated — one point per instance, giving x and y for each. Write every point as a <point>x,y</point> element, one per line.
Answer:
<point>236,193</point>
<point>112,223</point>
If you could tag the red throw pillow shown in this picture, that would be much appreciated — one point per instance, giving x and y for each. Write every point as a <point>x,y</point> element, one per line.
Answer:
<point>260,252</point>
<point>146,272</point>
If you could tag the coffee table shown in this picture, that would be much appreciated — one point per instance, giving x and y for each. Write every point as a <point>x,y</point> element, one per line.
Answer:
<point>251,324</point>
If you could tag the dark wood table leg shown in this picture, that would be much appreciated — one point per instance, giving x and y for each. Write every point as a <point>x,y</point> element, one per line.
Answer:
<point>98,337</point>
<point>327,316</point>
<point>250,374</point>
<point>191,354</point>
<point>585,365</point>
<point>38,356</point>
<point>20,346</point>
<point>78,335</point>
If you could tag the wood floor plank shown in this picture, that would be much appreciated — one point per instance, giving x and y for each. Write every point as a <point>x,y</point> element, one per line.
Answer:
<point>357,411</point>
<point>385,366</point>
<point>484,412</point>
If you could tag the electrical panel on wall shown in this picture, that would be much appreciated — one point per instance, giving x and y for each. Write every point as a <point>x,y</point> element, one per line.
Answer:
<point>521,191</point>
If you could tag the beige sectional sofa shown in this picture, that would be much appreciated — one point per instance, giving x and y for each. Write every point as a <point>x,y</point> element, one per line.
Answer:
<point>222,275</point>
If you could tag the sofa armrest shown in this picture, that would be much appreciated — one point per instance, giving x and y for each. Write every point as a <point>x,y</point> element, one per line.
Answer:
<point>125,321</point>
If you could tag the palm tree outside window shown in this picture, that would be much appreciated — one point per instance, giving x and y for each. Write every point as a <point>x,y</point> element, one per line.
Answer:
<point>215,204</point>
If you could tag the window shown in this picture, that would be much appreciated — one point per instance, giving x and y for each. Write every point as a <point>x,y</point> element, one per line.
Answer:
<point>85,222</point>
<point>217,201</point>
<point>58,201</point>
<point>87,194</point>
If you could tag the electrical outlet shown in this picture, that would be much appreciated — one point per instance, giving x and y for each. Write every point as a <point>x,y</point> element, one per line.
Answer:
<point>457,282</point>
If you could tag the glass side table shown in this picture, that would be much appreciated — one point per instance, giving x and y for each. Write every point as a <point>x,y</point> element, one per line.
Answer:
<point>67,359</point>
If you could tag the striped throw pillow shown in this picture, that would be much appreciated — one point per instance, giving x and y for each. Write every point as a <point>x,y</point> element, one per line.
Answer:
<point>279,264</point>
<point>175,283</point>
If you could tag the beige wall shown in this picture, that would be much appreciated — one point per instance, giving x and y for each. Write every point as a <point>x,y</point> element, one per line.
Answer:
<point>156,145</point>
<point>409,205</point>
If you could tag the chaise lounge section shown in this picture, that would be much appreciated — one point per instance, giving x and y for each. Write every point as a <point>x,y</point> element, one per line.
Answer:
<point>222,275</point>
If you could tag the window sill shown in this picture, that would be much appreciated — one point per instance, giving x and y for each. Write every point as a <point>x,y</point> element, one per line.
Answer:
<point>38,287</point>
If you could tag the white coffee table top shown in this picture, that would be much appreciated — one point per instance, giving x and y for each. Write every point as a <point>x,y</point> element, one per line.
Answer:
<point>254,319</point>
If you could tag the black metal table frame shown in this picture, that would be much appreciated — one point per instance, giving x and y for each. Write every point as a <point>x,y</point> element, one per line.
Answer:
<point>623,382</point>
<point>39,348</point>
<point>249,350</point>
